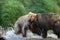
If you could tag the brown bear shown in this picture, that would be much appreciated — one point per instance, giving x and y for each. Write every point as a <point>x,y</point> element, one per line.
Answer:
<point>44,22</point>
<point>22,24</point>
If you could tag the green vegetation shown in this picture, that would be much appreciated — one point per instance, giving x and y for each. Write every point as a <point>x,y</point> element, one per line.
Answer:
<point>10,10</point>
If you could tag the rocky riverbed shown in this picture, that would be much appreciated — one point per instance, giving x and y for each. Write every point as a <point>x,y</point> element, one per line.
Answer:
<point>30,36</point>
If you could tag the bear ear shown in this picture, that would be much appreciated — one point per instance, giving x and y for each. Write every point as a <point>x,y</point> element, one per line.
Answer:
<point>31,14</point>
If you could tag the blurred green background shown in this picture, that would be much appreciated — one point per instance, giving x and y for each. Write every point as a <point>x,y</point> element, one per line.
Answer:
<point>10,10</point>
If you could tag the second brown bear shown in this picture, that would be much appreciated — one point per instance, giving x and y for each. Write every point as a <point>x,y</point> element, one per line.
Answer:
<point>45,22</point>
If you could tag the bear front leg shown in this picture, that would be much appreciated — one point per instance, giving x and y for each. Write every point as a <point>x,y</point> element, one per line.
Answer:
<point>44,33</point>
<point>24,32</point>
